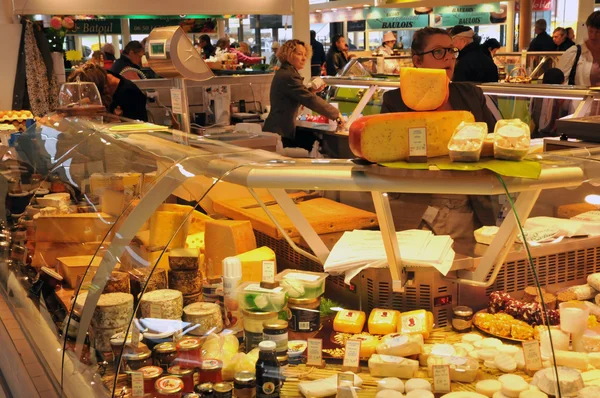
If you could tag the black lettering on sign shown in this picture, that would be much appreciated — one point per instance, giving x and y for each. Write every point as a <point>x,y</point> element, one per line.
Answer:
<point>469,21</point>
<point>396,25</point>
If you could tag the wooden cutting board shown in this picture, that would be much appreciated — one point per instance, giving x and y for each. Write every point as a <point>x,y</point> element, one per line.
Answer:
<point>325,215</point>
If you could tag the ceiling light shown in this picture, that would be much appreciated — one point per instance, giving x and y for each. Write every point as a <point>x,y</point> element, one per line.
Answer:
<point>317,10</point>
<point>334,9</point>
<point>366,5</point>
<point>348,8</point>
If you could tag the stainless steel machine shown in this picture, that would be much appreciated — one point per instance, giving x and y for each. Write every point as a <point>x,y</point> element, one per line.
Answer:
<point>171,54</point>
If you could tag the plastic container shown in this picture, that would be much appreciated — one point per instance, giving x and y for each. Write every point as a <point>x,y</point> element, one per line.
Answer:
<point>511,139</point>
<point>232,276</point>
<point>302,284</point>
<point>462,369</point>
<point>254,298</point>
<point>467,141</point>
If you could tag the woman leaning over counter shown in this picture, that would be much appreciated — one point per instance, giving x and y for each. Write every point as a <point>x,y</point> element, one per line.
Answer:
<point>288,93</point>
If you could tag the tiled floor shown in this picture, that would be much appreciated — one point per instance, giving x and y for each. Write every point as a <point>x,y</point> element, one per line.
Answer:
<point>36,373</point>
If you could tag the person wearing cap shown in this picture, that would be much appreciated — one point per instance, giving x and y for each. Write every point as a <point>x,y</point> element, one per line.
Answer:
<point>542,40</point>
<point>273,61</point>
<point>387,45</point>
<point>108,50</point>
<point>473,64</point>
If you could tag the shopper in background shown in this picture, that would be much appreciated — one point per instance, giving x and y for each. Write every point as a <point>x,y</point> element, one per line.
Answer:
<point>245,49</point>
<point>579,63</point>
<point>318,57</point>
<point>223,44</point>
<point>571,34</point>
<point>108,50</point>
<point>288,92</point>
<point>273,61</point>
<point>129,65</point>
<point>562,41</point>
<point>542,40</point>
<point>336,58</point>
<point>387,45</point>
<point>119,95</point>
<point>490,47</point>
<point>208,50</point>
<point>473,64</point>
<point>545,111</point>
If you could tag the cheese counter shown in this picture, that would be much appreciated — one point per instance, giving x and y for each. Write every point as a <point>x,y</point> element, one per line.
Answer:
<point>140,263</point>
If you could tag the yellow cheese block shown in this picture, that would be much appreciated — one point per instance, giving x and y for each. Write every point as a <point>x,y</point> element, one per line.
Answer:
<point>252,263</point>
<point>165,225</point>
<point>70,267</point>
<point>416,322</point>
<point>73,228</point>
<point>46,253</point>
<point>197,219</point>
<point>195,241</point>
<point>143,257</point>
<point>424,89</point>
<point>349,321</point>
<point>226,238</point>
<point>382,321</point>
<point>114,202</point>
<point>384,138</point>
<point>118,181</point>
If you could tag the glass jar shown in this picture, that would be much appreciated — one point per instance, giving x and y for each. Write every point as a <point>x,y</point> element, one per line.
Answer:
<point>189,353</point>
<point>253,327</point>
<point>169,387</point>
<point>164,355</point>
<point>306,314</point>
<point>210,371</point>
<point>223,390</point>
<point>134,361</point>
<point>151,374</point>
<point>244,385</point>
<point>277,331</point>
<point>206,390</point>
<point>462,319</point>
<point>188,376</point>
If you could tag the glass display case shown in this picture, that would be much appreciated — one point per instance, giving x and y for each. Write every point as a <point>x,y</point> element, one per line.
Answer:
<point>120,232</point>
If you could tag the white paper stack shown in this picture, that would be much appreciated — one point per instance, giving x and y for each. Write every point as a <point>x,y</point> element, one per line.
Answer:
<point>357,250</point>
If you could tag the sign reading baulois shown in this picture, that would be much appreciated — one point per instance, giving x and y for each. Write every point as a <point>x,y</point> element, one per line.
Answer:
<point>97,27</point>
<point>477,14</point>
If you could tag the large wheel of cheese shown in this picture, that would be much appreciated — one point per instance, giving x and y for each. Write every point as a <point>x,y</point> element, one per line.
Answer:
<point>424,89</point>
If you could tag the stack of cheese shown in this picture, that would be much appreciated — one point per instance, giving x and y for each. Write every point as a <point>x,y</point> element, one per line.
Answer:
<point>162,304</point>
<point>112,315</point>
<point>185,274</point>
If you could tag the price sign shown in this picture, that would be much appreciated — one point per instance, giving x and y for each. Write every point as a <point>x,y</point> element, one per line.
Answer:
<point>155,310</point>
<point>137,384</point>
<point>315,352</point>
<point>417,141</point>
<point>176,101</point>
<point>268,271</point>
<point>441,378</point>
<point>352,354</point>
<point>532,354</point>
<point>345,379</point>
<point>135,336</point>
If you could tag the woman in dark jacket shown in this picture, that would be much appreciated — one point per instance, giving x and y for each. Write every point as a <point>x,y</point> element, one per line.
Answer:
<point>473,64</point>
<point>288,93</point>
<point>336,58</point>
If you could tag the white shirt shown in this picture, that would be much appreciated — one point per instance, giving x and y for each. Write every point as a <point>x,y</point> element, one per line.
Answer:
<point>584,65</point>
<point>385,50</point>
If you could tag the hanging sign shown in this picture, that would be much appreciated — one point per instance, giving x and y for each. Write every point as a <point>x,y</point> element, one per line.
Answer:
<point>97,27</point>
<point>477,14</point>
<point>538,5</point>
<point>395,18</point>
<point>357,26</point>
<point>145,26</point>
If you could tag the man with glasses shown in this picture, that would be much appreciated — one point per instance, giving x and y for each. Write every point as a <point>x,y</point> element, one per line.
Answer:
<point>473,64</point>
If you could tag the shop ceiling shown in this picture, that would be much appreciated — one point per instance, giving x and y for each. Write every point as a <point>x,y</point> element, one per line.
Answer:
<point>345,4</point>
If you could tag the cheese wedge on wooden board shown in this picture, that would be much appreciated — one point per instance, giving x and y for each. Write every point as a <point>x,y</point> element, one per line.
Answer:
<point>324,215</point>
<point>46,253</point>
<point>73,228</point>
<point>226,238</point>
<point>385,137</point>
<point>70,267</point>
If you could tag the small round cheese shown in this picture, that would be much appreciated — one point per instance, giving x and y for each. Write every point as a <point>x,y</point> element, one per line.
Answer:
<point>532,394</point>
<point>466,346</point>
<point>487,354</point>
<point>499,395</point>
<point>390,383</point>
<point>488,387</point>
<point>420,394</point>
<point>508,349</point>
<point>474,354</point>
<point>417,384</point>
<point>513,387</point>
<point>491,342</point>
<point>477,344</point>
<point>471,338</point>
<point>389,394</point>
<point>490,364</point>
<point>505,363</point>
<point>520,359</point>
<point>463,394</point>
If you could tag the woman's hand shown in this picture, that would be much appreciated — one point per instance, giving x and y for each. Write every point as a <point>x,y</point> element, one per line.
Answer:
<point>341,124</point>
<point>319,89</point>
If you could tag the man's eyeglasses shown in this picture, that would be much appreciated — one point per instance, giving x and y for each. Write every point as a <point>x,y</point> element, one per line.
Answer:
<point>440,53</point>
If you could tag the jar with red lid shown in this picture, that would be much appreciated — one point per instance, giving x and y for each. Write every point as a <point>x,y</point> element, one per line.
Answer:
<point>151,374</point>
<point>169,387</point>
<point>210,371</point>
<point>188,376</point>
<point>189,354</point>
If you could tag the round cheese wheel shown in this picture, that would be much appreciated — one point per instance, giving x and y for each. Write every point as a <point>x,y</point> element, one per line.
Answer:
<point>505,363</point>
<point>508,349</point>
<point>532,394</point>
<point>471,338</point>
<point>463,394</point>
<point>389,394</point>
<point>510,379</point>
<point>390,383</point>
<point>513,388</point>
<point>417,384</point>
<point>466,346</point>
<point>491,342</point>
<point>488,387</point>
<point>487,354</point>
<point>420,394</point>
<point>474,354</point>
<point>490,364</point>
<point>499,395</point>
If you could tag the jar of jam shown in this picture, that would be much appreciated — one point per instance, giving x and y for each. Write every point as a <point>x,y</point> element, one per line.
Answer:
<point>210,371</point>
<point>134,361</point>
<point>223,390</point>
<point>462,319</point>
<point>206,390</point>
<point>188,376</point>
<point>189,354</point>
<point>164,355</point>
<point>169,387</point>
<point>277,331</point>
<point>244,385</point>
<point>151,374</point>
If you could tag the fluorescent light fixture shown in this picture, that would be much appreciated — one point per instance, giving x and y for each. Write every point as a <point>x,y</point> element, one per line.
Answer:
<point>533,96</point>
<point>348,8</point>
<point>334,9</point>
<point>593,200</point>
<point>317,10</point>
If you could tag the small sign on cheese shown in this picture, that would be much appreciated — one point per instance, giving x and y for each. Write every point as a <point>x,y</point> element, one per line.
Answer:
<point>268,271</point>
<point>352,354</point>
<point>532,354</point>
<point>441,378</point>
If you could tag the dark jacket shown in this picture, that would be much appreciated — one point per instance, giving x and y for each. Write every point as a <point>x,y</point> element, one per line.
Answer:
<point>463,97</point>
<point>122,63</point>
<point>209,50</point>
<point>474,65</point>
<point>565,45</point>
<point>542,42</point>
<point>130,99</point>
<point>318,58</point>
<point>287,94</point>
<point>336,60</point>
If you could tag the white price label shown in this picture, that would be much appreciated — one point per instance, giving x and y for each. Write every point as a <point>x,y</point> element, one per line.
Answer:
<point>155,310</point>
<point>532,354</point>
<point>268,271</point>
<point>315,354</point>
<point>441,378</point>
<point>137,384</point>
<point>352,354</point>
<point>345,379</point>
<point>417,141</point>
<point>176,101</point>
<point>135,336</point>
<point>304,325</point>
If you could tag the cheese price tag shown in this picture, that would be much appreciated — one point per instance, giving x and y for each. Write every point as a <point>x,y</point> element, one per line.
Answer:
<point>314,357</point>
<point>176,100</point>
<point>441,378</point>
<point>137,384</point>
<point>532,354</point>
<point>155,310</point>
<point>352,354</point>
<point>268,271</point>
<point>345,379</point>
<point>417,142</point>
<point>135,336</point>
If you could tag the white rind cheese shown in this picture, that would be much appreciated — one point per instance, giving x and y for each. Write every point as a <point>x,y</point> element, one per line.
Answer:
<point>206,315</point>
<point>463,394</point>
<point>163,304</point>
<point>589,392</point>
<point>488,387</point>
<point>391,366</point>
<point>399,345</point>
<point>417,384</point>
<point>570,381</point>
<point>390,383</point>
<point>420,394</point>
